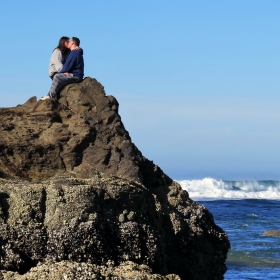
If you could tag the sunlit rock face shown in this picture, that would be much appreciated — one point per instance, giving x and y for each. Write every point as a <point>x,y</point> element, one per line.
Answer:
<point>76,190</point>
<point>81,133</point>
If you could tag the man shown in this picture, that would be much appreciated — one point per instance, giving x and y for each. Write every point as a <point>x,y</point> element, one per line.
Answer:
<point>71,72</point>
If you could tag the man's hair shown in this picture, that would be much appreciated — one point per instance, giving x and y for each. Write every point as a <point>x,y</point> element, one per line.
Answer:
<point>76,40</point>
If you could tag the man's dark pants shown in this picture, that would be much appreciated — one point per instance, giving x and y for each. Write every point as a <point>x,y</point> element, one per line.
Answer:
<point>61,80</point>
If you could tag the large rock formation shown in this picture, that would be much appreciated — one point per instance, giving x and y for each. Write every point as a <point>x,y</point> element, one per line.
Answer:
<point>76,191</point>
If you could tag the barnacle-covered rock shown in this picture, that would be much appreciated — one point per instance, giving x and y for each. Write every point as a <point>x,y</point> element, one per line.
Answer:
<point>78,200</point>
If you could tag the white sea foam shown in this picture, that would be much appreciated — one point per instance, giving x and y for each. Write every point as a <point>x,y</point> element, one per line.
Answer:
<point>209,188</point>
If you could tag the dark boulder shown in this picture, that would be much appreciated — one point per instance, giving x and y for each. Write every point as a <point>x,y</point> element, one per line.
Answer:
<point>75,189</point>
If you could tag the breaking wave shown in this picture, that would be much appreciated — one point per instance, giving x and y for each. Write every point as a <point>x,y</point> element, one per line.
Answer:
<point>209,188</point>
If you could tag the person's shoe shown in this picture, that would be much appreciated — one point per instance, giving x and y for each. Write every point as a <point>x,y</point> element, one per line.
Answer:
<point>45,97</point>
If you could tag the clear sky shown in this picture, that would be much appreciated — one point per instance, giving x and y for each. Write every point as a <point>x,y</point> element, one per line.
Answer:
<point>197,81</point>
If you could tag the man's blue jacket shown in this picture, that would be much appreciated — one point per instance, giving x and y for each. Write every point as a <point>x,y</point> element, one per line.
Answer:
<point>74,64</point>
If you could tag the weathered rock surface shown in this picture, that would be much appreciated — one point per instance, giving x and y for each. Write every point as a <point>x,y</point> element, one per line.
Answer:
<point>81,133</point>
<point>76,191</point>
<point>85,271</point>
<point>272,232</point>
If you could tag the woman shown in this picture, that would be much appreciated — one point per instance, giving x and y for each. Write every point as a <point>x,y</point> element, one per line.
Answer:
<point>59,56</point>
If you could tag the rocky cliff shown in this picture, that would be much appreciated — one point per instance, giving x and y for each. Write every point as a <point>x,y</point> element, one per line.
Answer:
<point>78,199</point>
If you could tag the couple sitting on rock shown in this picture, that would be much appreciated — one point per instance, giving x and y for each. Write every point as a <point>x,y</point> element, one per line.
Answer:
<point>66,65</point>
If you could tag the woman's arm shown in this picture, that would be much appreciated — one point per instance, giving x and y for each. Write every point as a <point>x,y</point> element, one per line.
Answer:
<point>56,60</point>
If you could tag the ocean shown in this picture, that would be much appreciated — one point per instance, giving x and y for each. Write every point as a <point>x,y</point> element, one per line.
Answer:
<point>245,210</point>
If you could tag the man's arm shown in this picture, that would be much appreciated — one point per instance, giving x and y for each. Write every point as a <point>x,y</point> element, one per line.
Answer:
<point>70,61</point>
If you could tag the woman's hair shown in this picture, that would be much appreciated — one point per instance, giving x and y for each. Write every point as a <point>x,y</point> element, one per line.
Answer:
<point>61,45</point>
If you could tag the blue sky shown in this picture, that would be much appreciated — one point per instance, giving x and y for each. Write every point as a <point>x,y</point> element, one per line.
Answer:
<point>197,81</point>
